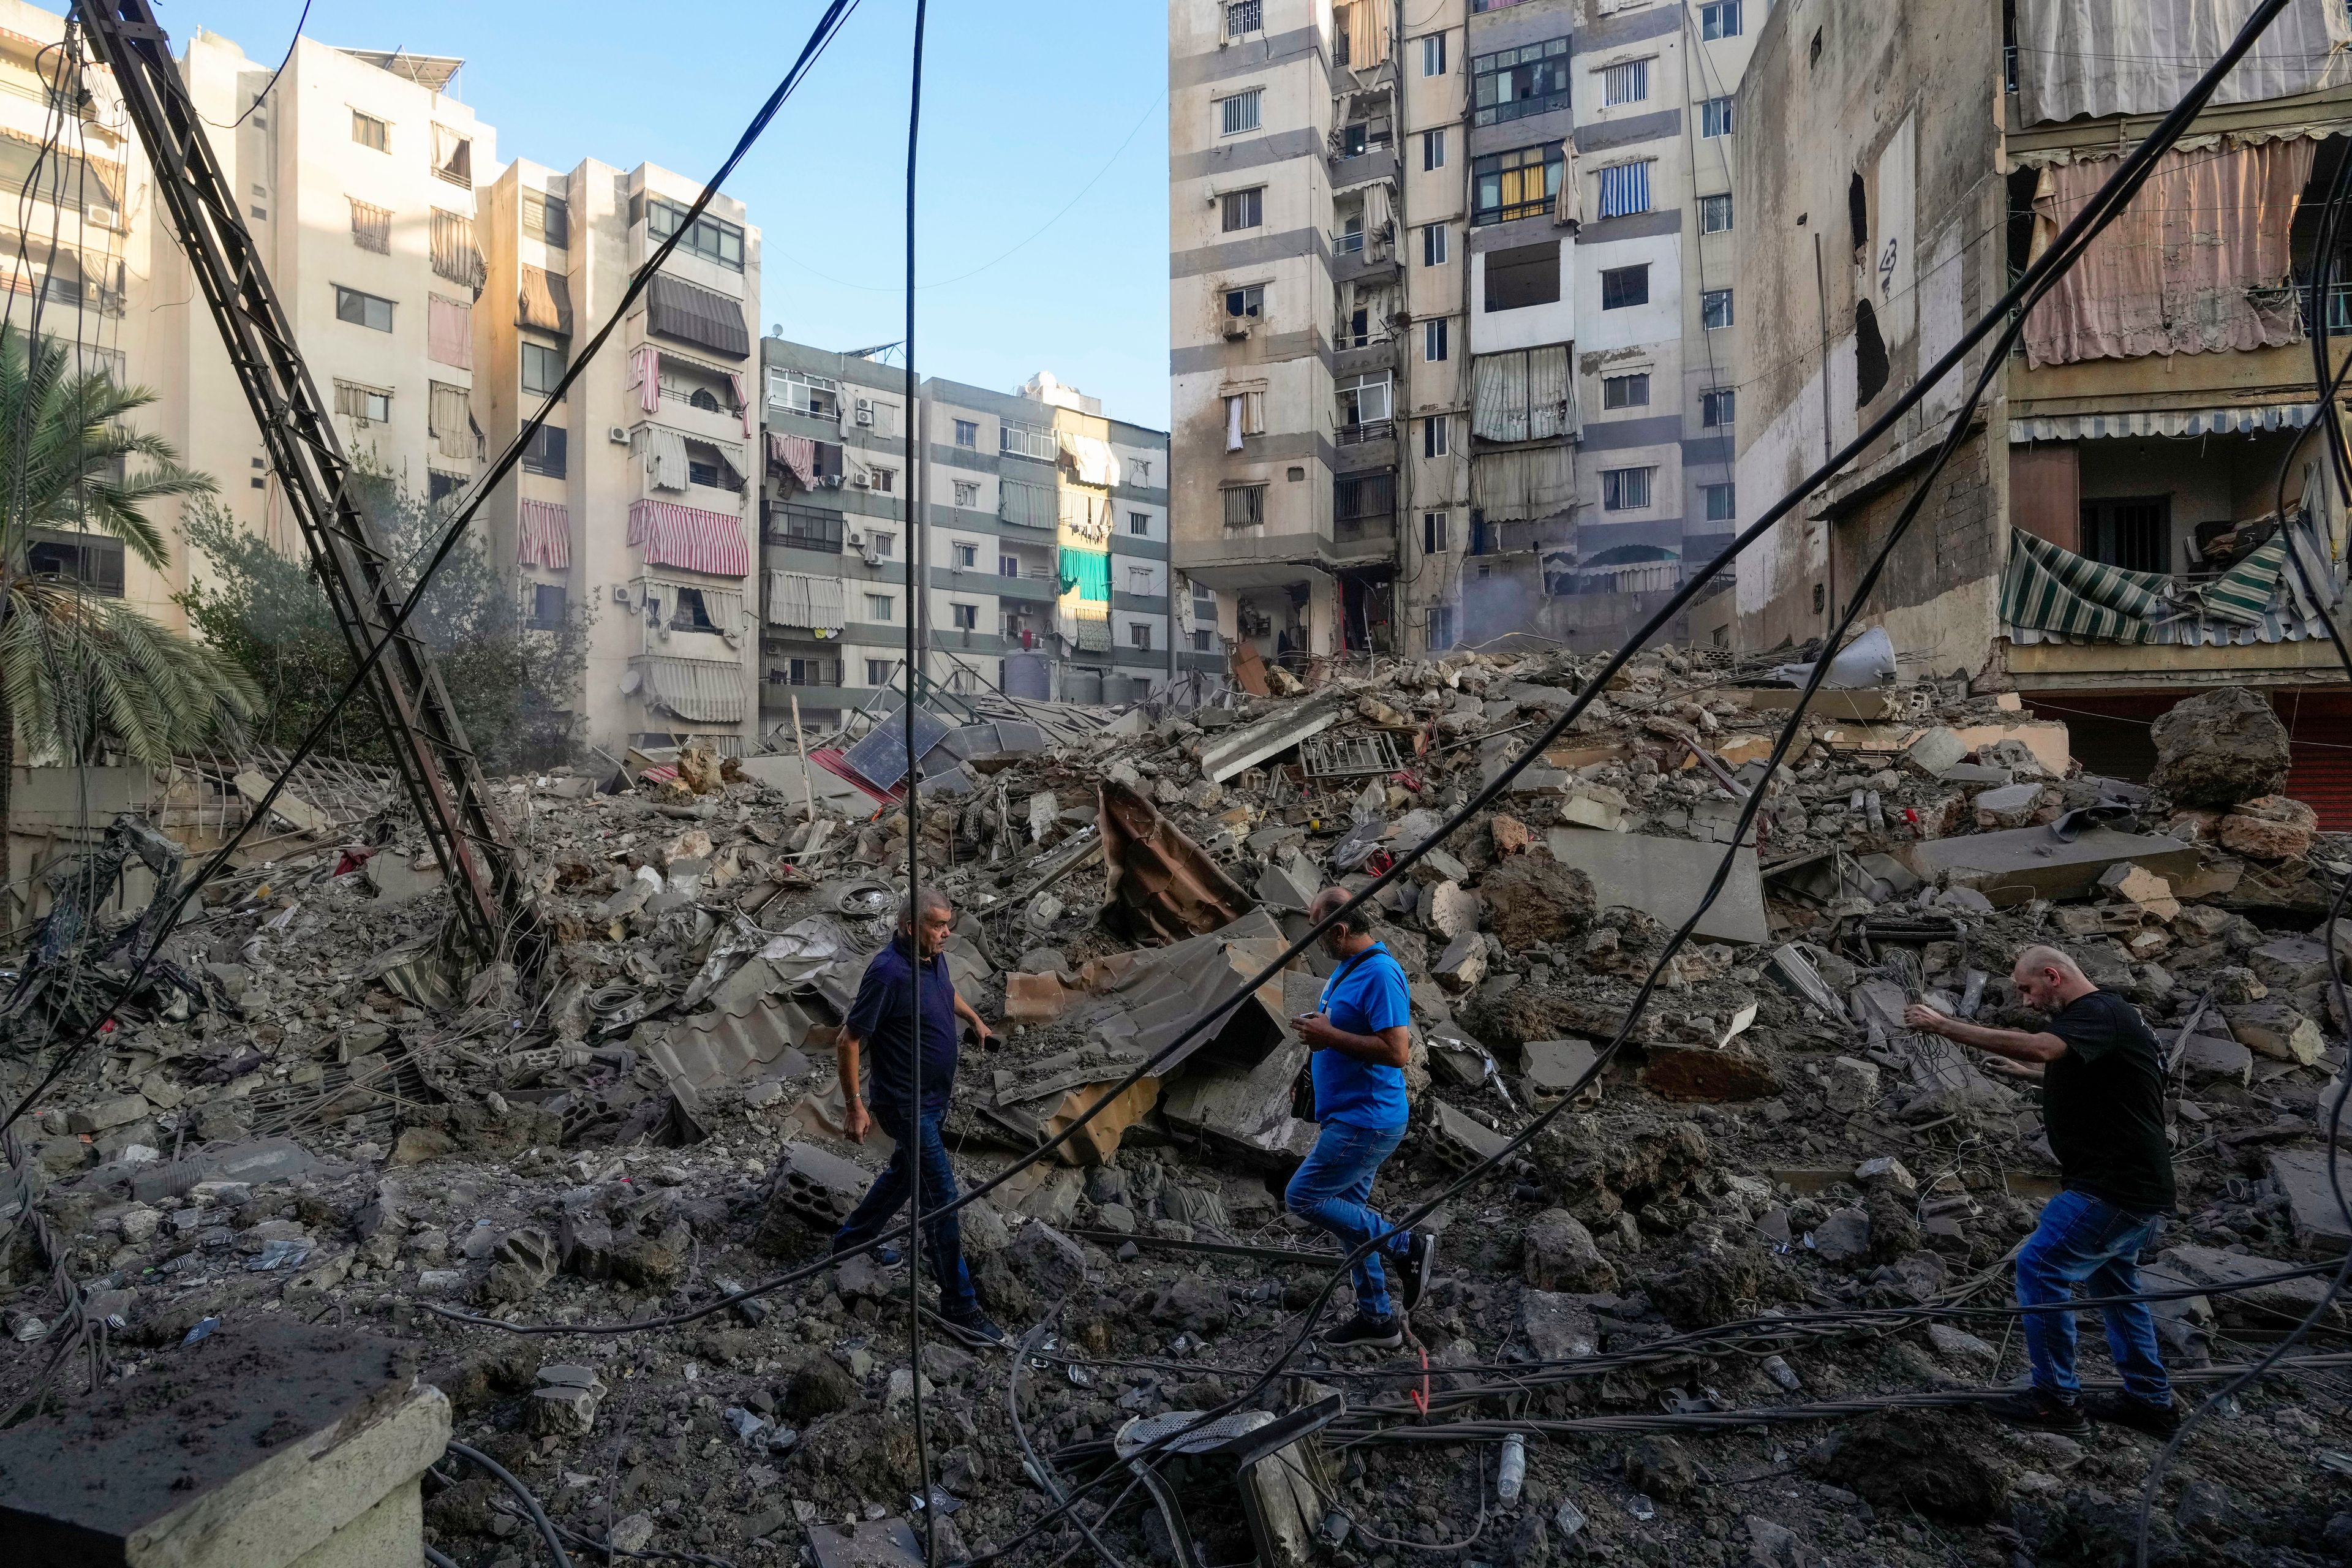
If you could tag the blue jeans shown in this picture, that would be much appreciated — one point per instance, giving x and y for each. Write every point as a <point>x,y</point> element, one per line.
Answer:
<point>942,1235</point>
<point>1328,1193</point>
<point>2082,1240</point>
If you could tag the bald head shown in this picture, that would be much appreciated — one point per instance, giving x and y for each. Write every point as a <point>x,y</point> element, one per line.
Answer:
<point>2048,979</point>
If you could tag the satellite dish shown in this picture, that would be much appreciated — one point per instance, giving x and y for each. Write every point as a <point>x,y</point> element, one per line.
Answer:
<point>631,681</point>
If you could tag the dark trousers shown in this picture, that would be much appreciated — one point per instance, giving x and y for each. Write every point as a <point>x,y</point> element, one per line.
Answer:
<point>942,1236</point>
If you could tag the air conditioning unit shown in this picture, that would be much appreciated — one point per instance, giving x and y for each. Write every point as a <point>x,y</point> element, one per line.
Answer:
<point>862,481</point>
<point>620,594</point>
<point>831,482</point>
<point>865,412</point>
<point>616,434</point>
<point>1237,328</point>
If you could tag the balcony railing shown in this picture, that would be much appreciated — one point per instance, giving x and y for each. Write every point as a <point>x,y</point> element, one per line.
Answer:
<point>1369,430</point>
<point>2339,306</point>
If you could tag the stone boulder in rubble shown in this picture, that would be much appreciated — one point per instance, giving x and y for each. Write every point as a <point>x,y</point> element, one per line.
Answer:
<point>2219,748</point>
<point>1532,899</point>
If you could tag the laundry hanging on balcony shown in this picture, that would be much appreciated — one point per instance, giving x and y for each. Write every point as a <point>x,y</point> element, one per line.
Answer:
<point>1086,572</point>
<point>1091,458</point>
<point>645,377</point>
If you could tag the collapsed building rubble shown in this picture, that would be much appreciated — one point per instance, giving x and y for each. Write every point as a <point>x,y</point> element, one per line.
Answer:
<point>331,1121</point>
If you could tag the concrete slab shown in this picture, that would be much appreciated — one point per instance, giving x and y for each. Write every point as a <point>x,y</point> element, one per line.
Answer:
<point>1237,749</point>
<point>1663,878</point>
<point>2319,1221</point>
<point>2026,863</point>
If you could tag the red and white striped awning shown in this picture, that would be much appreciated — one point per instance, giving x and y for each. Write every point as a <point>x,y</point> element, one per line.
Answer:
<point>546,533</point>
<point>698,540</point>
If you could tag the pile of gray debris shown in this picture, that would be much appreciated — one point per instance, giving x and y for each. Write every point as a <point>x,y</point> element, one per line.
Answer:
<point>333,1122</point>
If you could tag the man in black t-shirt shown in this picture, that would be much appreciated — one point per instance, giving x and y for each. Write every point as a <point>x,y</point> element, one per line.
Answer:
<point>2103,1103</point>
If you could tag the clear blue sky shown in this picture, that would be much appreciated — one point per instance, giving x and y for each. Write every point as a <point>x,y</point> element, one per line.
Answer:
<point>1016,119</point>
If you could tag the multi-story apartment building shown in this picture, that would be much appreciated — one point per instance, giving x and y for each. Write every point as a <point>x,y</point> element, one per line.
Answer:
<point>1047,575</point>
<point>635,505</point>
<point>2109,533</point>
<point>358,175</point>
<point>1451,313</point>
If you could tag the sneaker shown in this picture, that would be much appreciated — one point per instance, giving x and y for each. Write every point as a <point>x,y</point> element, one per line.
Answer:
<point>2156,1420</point>
<point>975,1331</point>
<point>2041,1408</point>
<point>1373,1333</point>
<point>1420,1260</point>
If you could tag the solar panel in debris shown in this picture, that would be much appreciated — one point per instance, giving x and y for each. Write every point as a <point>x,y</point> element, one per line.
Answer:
<point>881,758</point>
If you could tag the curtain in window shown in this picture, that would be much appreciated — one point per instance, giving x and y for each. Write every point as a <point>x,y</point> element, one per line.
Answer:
<point>1379,209</point>
<point>1625,189</point>
<point>449,331</point>
<point>546,535</point>
<point>453,156</point>
<point>1085,573</point>
<point>451,416</point>
<point>723,607</point>
<point>455,256</point>
<point>797,599</point>
<point>1027,506</point>
<point>544,301</point>
<point>743,403</point>
<point>1234,401</point>
<point>372,227</point>
<point>664,452</point>
<point>1524,395</point>
<point>796,455</point>
<point>1532,482</point>
<point>2199,262</point>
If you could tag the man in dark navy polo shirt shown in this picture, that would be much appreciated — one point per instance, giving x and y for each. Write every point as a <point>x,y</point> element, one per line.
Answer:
<point>883,1028</point>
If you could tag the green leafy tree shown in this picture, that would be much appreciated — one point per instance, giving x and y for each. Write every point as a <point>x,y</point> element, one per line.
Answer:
<point>512,682</point>
<point>82,673</point>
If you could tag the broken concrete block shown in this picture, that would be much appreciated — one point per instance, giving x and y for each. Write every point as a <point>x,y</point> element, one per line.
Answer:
<point>2220,747</point>
<point>1664,877</point>
<point>1934,751</point>
<point>99,1116</point>
<point>1976,775</point>
<point>1556,1326</point>
<point>2301,1175</point>
<point>813,1191</point>
<point>2027,863</point>
<point>1459,1140</point>
<point>2291,962</point>
<point>1843,1237</point>
<point>1959,1344</point>
<point>2206,1058</point>
<point>1741,750</point>
<point>2277,1030</point>
<point>1886,1170</point>
<point>1851,1084</point>
<point>1236,750</point>
<point>1707,1074</point>
<point>2270,829</point>
<point>1554,1067</point>
<point>1034,998</point>
<point>1558,1254</point>
<point>1463,964</point>
<point>1595,806</point>
<point>1511,836</point>
<point>564,1403</point>
<point>1453,910</point>
<point>2138,885</point>
<point>526,1261</point>
<point>1049,1262</point>
<point>2011,806</point>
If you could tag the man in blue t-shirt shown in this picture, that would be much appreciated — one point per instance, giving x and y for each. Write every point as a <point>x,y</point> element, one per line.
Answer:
<point>1361,1036</point>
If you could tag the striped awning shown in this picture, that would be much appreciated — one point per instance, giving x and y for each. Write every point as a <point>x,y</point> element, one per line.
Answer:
<point>699,541</point>
<point>705,690</point>
<point>2050,594</point>
<point>798,599</point>
<point>2049,589</point>
<point>1093,636</point>
<point>546,535</point>
<point>2162,422</point>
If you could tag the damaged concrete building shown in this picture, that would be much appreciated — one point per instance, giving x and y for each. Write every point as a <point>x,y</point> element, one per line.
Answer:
<point>2109,535</point>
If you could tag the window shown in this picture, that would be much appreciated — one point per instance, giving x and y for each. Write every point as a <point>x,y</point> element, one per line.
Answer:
<point>1436,437</point>
<point>1139,523</point>
<point>1719,19</point>
<point>1520,183</point>
<point>1240,111</point>
<point>1364,399</point>
<point>1245,415</point>
<point>370,132</point>
<point>967,616</point>
<point>1432,245</point>
<point>1204,640</point>
<point>2134,535</point>
<point>967,557</point>
<point>547,452</point>
<point>363,309</point>
<point>1241,304</point>
<point>364,403</point>
<point>1626,83</point>
<point>1244,209</point>
<point>886,480</point>
<point>1140,471</point>
<point>885,545</point>
<point>968,433</point>
<point>438,487</point>
<point>707,465</point>
<point>1433,341</point>
<point>1245,16</point>
<point>1441,627</point>
<point>1625,490</point>
<point>1624,189</point>
<point>1433,149</point>
<point>1716,405</point>
<point>1358,497</point>
<point>547,606</point>
<point>371,227</point>
<point>92,560</point>
<point>967,492</point>
<point>711,238</point>
<point>1715,116</point>
<point>798,392</point>
<point>1027,441</point>
<point>1523,276</point>
<point>543,367</point>
<point>1138,634</point>
<point>1624,286</point>
<point>1715,215</point>
<point>1138,580</point>
<point>547,218</point>
<point>1722,502</point>
<point>805,528</point>
<point>691,614</point>
<point>1433,532</point>
<point>1433,54</point>
<point>1516,83</point>
<point>1714,308</point>
<point>878,607</point>
<point>1625,391</point>
<point>878,671</point>
<point>1244,505</point>
<point>1008,566</point>
<point>453,156</point>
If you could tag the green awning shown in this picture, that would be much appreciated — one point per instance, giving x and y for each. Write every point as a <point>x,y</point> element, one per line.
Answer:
<point>2048,588</point>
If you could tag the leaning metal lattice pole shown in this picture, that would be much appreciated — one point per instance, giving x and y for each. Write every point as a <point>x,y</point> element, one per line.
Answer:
<point>435,765</point>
